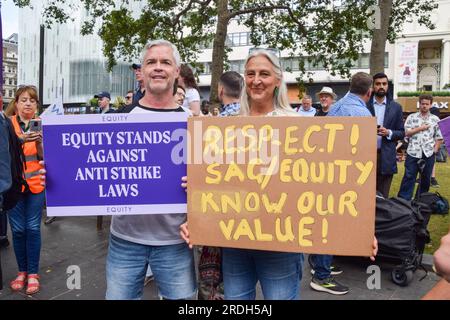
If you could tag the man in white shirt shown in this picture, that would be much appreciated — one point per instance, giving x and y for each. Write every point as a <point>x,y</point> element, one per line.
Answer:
<point>425,139</point>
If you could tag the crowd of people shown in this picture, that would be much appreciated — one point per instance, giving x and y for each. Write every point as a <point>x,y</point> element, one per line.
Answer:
<point>156,246</point>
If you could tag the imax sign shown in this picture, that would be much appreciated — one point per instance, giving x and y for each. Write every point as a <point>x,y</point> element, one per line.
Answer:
<point>439,105</point>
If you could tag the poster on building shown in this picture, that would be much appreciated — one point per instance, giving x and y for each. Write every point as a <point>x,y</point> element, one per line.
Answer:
<point>283,183</point>
<point>115,163</point>
<point>407,62</point>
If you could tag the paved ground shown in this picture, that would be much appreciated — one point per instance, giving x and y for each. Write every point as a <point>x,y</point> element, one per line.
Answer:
<point>75,241</point>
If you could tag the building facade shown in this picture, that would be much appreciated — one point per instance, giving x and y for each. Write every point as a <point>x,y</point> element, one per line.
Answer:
<point>9,68</point>
<point>74,66</point>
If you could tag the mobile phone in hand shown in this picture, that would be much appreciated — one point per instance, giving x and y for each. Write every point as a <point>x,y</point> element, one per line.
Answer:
<point>35,125</point>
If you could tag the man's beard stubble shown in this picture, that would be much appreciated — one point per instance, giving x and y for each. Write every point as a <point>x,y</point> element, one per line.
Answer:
<point>380,93</point>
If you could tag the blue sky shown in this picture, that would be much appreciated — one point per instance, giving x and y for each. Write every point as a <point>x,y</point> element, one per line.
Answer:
<point>10,18</point>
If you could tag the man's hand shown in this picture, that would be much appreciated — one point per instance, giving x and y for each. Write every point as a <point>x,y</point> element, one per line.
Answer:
<point>442,258</point>
<point>382,131</point>
<point>374,248</point>
<point>184,183</point>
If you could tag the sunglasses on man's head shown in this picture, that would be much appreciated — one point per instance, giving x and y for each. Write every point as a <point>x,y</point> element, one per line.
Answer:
<point>128,97</point>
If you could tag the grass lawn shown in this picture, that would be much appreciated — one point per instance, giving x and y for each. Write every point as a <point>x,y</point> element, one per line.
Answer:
<point>439,225</point>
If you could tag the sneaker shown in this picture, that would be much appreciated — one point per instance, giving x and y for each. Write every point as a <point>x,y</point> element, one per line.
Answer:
<point>49,220</point>
<point>434,183</point>
<point>335,270</point>
<point>148,280</point>
<point>328,285</point>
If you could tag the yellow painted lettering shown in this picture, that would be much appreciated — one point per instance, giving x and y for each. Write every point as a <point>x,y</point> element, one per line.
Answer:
<point>330,205</point>
<point>306,146</point>
<point>305,202</point>
<point>288,140</point>
<point>347,200</point>
<point>343,164</point>
<point>288,234</point>
<point>332,129</point>
<point>212,137</point>
<point>251,170</point>
<point>274,207</point>
<point>256,202</point>
<point>250,133</point>
<point>226,228</point>
<point>243,229</point>
<point>217,175</point>
<point>270,171</point>
<point>234,171</point>
<point>365,169</point>
<point>317,177</point>
<point>207,199</point>
<point>229,138</point>
<point>300,171</point>
<point>227,201</point>
<point>285,167</point>
<point>330,172</point>
<point>260,236</point>
<point>303,231</point>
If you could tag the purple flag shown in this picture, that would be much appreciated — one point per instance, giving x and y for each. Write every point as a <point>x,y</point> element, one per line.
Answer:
<point>444,125</point>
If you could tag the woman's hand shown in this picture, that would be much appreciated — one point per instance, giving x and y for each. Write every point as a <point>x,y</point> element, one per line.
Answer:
<point>184,233</point>
<point>184,183</point>
<point>42,173</point>
<point>31,137</point>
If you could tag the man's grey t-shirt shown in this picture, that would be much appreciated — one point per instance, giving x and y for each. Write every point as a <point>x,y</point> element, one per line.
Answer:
<point>151,229</point>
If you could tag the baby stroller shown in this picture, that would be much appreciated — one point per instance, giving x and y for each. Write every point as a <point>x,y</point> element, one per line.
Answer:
<point>401,231</point>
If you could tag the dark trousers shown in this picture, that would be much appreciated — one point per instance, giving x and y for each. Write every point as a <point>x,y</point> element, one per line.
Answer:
<point>409,179</point>
<point>383,180</point>
<point>321,264</point>
<point>3,225</point>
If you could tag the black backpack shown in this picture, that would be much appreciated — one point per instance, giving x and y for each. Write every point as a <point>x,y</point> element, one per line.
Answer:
<point>437,203</point>
<point>15,193</point>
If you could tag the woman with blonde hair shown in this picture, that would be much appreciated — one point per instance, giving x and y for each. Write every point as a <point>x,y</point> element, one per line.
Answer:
<point>25,217</point>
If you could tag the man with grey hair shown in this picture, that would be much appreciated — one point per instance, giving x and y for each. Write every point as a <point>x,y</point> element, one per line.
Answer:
<point>306,109</point>
<point>139,240</point>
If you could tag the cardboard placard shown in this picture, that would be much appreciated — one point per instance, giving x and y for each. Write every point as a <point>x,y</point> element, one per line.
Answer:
<point>283,183</point>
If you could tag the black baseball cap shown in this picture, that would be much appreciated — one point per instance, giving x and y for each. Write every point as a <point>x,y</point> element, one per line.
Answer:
<point>136,66</point>
<point>103,94</point>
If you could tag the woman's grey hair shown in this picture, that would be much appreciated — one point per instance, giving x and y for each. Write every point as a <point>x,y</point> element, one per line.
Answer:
<point>281,100</point>
<point>162,42</point>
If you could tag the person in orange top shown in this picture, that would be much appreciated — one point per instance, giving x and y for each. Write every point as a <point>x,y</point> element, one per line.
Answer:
<point>25,217</point>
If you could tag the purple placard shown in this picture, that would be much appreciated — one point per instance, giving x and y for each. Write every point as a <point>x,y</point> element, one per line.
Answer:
<point>444,125</point>
<point>115,164</point>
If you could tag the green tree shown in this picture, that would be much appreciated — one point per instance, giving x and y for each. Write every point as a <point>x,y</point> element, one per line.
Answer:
<point>322,32</point>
